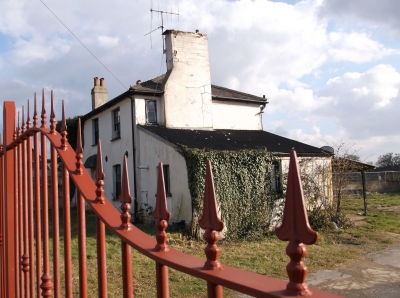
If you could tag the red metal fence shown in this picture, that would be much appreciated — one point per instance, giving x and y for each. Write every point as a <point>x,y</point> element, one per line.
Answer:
<point>24,222</point>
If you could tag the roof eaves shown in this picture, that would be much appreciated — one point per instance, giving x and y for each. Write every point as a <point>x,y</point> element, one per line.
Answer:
<point>223,98</point>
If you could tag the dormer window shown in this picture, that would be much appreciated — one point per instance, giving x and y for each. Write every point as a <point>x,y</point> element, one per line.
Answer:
<point>151,112</point>
<point>116,132</point>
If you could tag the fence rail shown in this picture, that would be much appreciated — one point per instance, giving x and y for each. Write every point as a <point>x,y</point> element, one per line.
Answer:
<point>25,258</point>
<point>385,181</point>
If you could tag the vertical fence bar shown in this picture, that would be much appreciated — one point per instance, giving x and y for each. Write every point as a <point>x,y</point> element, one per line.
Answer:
<point>30,207</point>
<point>19,213</point>
<point>38,238</point>
<point>67,233</point>
<point>83,291</point>
<point>25,227</point>
<point>56,229</point>
<point>9,199</point>
<point>81,218</point>
<point>2,218</point>
<point>100,228</point>
<point>126,199</point>
<point>161,215</point>
<point>67,211</point>
<point>31,222</point>
<point>46,284</point>
<point>55,209</point>
<point>211,222</point>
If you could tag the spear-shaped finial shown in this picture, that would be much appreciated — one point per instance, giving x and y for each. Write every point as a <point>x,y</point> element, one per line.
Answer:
<point>18,127</point>
<point>64,132</point>
<point>43,110</point>
<point>211,222</point>
<point>52,115</point>
<point>28,119</point>
<point>35,116</point>
<point>99,175</point>
<point>296,229</point>
<point>125,198</point>
<point>161,213</point>
<point>79,150</point>
<point>23,121</point>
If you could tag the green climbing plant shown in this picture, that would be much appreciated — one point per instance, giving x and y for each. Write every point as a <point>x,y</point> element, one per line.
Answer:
<point>242,181</point>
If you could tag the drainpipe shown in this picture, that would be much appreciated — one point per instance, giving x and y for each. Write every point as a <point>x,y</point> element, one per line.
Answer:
<point>135,203</point>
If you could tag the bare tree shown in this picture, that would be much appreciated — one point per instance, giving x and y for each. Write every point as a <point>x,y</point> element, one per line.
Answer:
<point>388,160</point>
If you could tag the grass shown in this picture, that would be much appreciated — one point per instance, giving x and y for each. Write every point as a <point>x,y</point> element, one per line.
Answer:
<point>265,256</point>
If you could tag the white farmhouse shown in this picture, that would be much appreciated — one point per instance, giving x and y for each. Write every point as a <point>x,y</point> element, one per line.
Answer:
<point>148,121</point>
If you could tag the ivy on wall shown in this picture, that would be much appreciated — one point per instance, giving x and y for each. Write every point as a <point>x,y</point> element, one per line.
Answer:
<point>242,181</point>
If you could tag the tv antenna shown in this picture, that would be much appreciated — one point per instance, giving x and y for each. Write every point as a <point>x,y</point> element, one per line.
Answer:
<point>160,14</point>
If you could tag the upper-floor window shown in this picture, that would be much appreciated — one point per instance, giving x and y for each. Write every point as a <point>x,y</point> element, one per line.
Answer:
<point>116,132</point>
<point>95,126</point>
<point>151,111</point>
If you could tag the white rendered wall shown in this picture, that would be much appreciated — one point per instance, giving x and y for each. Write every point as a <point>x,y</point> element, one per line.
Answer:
<point>319,168</point>
<point>151,151</point>
<point>236,115</point>
<point>113,150</point>
<point>187,91</point>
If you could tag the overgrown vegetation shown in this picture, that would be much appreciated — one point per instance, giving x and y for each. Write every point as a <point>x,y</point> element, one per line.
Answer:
<point>242,183</point>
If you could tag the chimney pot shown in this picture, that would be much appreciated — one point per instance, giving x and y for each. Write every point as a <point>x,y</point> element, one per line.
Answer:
<point>96,82</point>
<point>138,82</point>
<point>102,82</point>
<point>197,30</point>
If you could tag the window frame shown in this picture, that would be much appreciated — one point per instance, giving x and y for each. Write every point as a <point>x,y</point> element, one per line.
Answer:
<point>116,123</point>
<point>277,170</point>
<point>95,124</point>
<point>117,181</point>
<point>147,102</point>
<point>167,180</point>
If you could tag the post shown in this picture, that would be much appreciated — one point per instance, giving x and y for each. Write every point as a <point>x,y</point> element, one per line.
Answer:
<point>364,192</point>
<point>9,198</point>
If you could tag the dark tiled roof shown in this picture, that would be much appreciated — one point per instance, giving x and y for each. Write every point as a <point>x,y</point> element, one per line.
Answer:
<point>221,92</point>
<point>218,93</point>
<point>339,164</point>
<point>91,162</point>
<point>225,139</point>
<point>155,84</point>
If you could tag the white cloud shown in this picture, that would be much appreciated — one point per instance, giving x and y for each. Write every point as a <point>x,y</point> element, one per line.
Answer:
<point>365,104</point>
<point>107,41</point>
<point>26,51</point>
<point>356,47</point>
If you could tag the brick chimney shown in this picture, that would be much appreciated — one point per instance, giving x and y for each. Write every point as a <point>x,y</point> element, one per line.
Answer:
<point>99,93</point>
<point>187,86</point>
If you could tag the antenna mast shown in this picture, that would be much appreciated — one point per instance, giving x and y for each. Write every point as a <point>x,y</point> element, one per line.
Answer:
<point>160,13</point>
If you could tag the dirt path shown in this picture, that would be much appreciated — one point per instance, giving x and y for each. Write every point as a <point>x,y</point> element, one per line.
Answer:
<point>377,275</point>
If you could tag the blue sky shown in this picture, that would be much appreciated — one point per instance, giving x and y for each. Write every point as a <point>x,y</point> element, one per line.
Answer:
<point>330,69</point>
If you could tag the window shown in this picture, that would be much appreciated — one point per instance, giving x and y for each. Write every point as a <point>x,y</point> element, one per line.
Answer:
<point>166,179</point>
<point>116,181</point>
<point>151,111</point>
<point>95,126</point>
<point>116,124</point>
<point>277,184</point>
